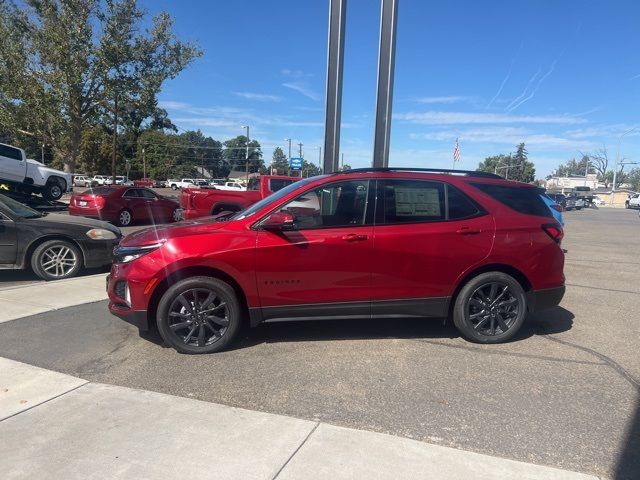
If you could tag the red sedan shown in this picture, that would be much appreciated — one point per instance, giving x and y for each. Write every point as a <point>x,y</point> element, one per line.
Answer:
<point>124,205</point>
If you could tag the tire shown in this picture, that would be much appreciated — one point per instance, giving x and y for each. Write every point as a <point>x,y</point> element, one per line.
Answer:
<point>626,204</point>
<point>174,187</point>
<point>56,260</point>
<point>54,189</point>
<point>176,215</point>
<point>207,334</point>
<point>489,327</point>
<point>125,217</point>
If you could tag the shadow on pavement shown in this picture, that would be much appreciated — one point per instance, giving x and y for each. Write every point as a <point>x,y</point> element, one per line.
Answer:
<point>628,467</point>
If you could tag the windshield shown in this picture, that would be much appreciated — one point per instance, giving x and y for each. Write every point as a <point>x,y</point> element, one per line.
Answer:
<point>19,209</point>
<point>271,198</point>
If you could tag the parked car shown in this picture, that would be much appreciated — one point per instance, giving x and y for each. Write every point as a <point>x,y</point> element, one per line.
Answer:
<point>54,246</point>
<point>352,245</point>
<point>124,205</point>
<point>200,202</point>
<point>184,183</point>
<point>144,182</point>
<point>597,201</point>
<point>82,181</point>
<point>574,201</point>
<point>633,201</point>
<point>570,203</point>
<point>233,186</point>
<point>100,180</point>
<point>31,176</point>
<point>556,209</point>
<point>560,199</point>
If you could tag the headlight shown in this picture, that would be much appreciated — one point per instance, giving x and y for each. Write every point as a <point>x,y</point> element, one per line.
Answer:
<point>101,234</point>
<point>128,254</point>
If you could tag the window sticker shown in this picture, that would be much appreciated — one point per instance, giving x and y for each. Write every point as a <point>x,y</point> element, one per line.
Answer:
<point>423,202</point>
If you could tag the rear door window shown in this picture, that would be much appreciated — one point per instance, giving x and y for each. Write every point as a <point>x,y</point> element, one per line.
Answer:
<point>521,199</point>
<point>410,201</point>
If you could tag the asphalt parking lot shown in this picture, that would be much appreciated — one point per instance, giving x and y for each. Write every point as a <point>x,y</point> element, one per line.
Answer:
<point>564,393</point>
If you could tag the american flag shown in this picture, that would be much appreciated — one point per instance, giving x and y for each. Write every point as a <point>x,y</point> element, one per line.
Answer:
<point>456,152</point>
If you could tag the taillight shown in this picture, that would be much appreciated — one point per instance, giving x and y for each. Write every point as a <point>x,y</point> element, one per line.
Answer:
<point>99,201</point>
<point>554,231</point>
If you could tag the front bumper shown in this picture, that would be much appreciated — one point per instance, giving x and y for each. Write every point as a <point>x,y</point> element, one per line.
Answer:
<point>98,253</point>
<point>543,299</point>
<point>136,318</point>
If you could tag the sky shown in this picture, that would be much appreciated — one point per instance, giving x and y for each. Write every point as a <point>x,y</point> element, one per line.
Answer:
<point>561,76</point>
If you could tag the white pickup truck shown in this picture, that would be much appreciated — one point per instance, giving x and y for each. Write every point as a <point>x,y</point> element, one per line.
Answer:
<point>174,184</point>
<point>31,176</point>
<point>633,201</point>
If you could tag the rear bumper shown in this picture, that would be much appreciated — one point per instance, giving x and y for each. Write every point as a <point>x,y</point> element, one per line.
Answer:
<point>543,299</point>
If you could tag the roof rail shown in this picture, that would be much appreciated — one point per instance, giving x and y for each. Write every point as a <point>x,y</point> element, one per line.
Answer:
<point>470,173</point>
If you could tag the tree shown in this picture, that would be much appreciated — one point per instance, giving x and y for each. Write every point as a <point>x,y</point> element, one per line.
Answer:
<point>513,166</point>
<point>65,62</point>
<point>279,161</point>
<point>235,154</point>
<point>633,177</point>
<point>599,161</point>
<point>310,169</point>
<point>345,167</point>
<point>575,168</point>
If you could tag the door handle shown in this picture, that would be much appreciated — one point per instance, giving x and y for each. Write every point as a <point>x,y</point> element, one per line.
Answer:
<point>354,237</point>
<point>468,231</point>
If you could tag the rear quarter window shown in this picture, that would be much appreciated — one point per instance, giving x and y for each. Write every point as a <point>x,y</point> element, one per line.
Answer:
<point>521,199</point>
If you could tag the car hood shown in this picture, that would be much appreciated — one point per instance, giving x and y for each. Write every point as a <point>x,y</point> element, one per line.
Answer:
<point>89,223</point>
<point>153,235</point>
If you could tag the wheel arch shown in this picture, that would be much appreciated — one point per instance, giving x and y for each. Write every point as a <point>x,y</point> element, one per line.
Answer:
<point>520,277</point>
<point>28,253</point>
<point>194,271</point>
<point>226,206</point>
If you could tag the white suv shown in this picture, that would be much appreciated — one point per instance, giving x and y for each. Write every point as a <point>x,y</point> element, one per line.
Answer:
<point>31,176</point>
<point>633,201</point>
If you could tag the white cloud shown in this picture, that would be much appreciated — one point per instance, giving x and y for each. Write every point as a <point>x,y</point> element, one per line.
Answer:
<point>304,89</point>
<point>171,105</point>
<point>456,118</point>
<point>259,97</point>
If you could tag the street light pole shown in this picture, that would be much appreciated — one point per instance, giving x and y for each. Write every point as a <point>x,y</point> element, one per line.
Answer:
<point>247,155</point>
<point>144,165</point>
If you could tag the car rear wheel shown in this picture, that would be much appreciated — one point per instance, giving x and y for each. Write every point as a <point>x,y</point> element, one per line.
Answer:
<point>176,215</point>
<point>199,315</point>
<point>56,259</point>
<point>490,308</point>
<point>125,217</point>
<point>174,187</point>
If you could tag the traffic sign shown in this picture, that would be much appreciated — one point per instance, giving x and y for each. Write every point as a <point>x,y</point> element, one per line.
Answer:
<point>295,163</point>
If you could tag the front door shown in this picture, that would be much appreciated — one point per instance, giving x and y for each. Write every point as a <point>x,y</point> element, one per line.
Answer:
<point>322,269</point>
<point>427,235</point>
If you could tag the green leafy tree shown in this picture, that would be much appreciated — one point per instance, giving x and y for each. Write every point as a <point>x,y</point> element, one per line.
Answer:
<point>513,166</point>
<point>310,169</point>
<point>279,161</point>
<point>575,168</point>
<point>66,62</point>
<point>235,154</point>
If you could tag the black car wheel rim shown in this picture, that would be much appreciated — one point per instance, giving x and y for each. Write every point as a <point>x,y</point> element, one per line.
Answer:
<point>56,191</point>
<point>58,261</point>
<point>492,309</point>
<point>198,317</point>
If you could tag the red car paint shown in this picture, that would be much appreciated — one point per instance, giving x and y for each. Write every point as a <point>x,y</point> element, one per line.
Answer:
<point>378,267</point>
<point>107,203</point>
<point>201,202</point>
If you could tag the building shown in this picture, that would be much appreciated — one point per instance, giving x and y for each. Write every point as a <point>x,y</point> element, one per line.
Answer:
<point>569,183</point>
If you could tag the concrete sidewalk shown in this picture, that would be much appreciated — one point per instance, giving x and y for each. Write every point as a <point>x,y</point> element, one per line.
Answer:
<point>56,426</point>
<point>25,300</point>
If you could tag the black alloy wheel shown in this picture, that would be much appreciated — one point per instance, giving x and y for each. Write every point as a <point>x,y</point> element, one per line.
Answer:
<point>491,308</point>
<point>199,315</point>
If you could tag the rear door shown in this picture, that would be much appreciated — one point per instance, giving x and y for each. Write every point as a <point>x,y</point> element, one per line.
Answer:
<point>133,200</point>
<point>13,165</point>
<point>427,234</point>
<point>8,240</point>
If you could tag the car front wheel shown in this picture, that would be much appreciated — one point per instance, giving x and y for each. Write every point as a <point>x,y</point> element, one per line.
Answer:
<point>490,308</point>
<point>56,259</point>
<point>199,315</point>
<point>53,190</point>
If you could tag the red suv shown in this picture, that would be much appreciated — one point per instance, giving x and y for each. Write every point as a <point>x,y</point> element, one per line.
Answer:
<point>368,243</point>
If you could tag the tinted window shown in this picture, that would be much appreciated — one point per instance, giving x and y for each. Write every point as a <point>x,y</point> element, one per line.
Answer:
<point>146,194</point>
<point>521,199</point>
<point>10,152</point>
<point>341,204</point>
<point>100,191</point>
<point>411,201</point>
<point>132,193</point>
<point>276,184</point>
<point>459,205</point>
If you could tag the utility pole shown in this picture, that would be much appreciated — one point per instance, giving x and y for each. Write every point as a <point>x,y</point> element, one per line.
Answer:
<point>319,157</point>
<point>115,138</point>
<point>586,170</point>
<point>247,154</point>
<point>42,155</point>
<point>342,163</point>
<point>300,149</point>
<point>144,165</point>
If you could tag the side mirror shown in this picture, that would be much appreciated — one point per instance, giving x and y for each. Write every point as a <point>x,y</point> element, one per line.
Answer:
<point>279,222</point>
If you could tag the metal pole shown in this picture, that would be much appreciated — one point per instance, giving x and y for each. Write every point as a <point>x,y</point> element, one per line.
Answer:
<point>300,149</point>
<point>42,155</point>
<point>586,171</point>
<point>115,138</point>
<point>319,157</point>
<point>144,164</point>
<point>386,65</point>
<point>247,156</point>
<point>335,61</point>
<point>289,140</point>
<point>342,163</point>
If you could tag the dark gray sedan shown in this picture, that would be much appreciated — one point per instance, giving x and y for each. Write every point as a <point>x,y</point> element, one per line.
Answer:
<point>54,245</point>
